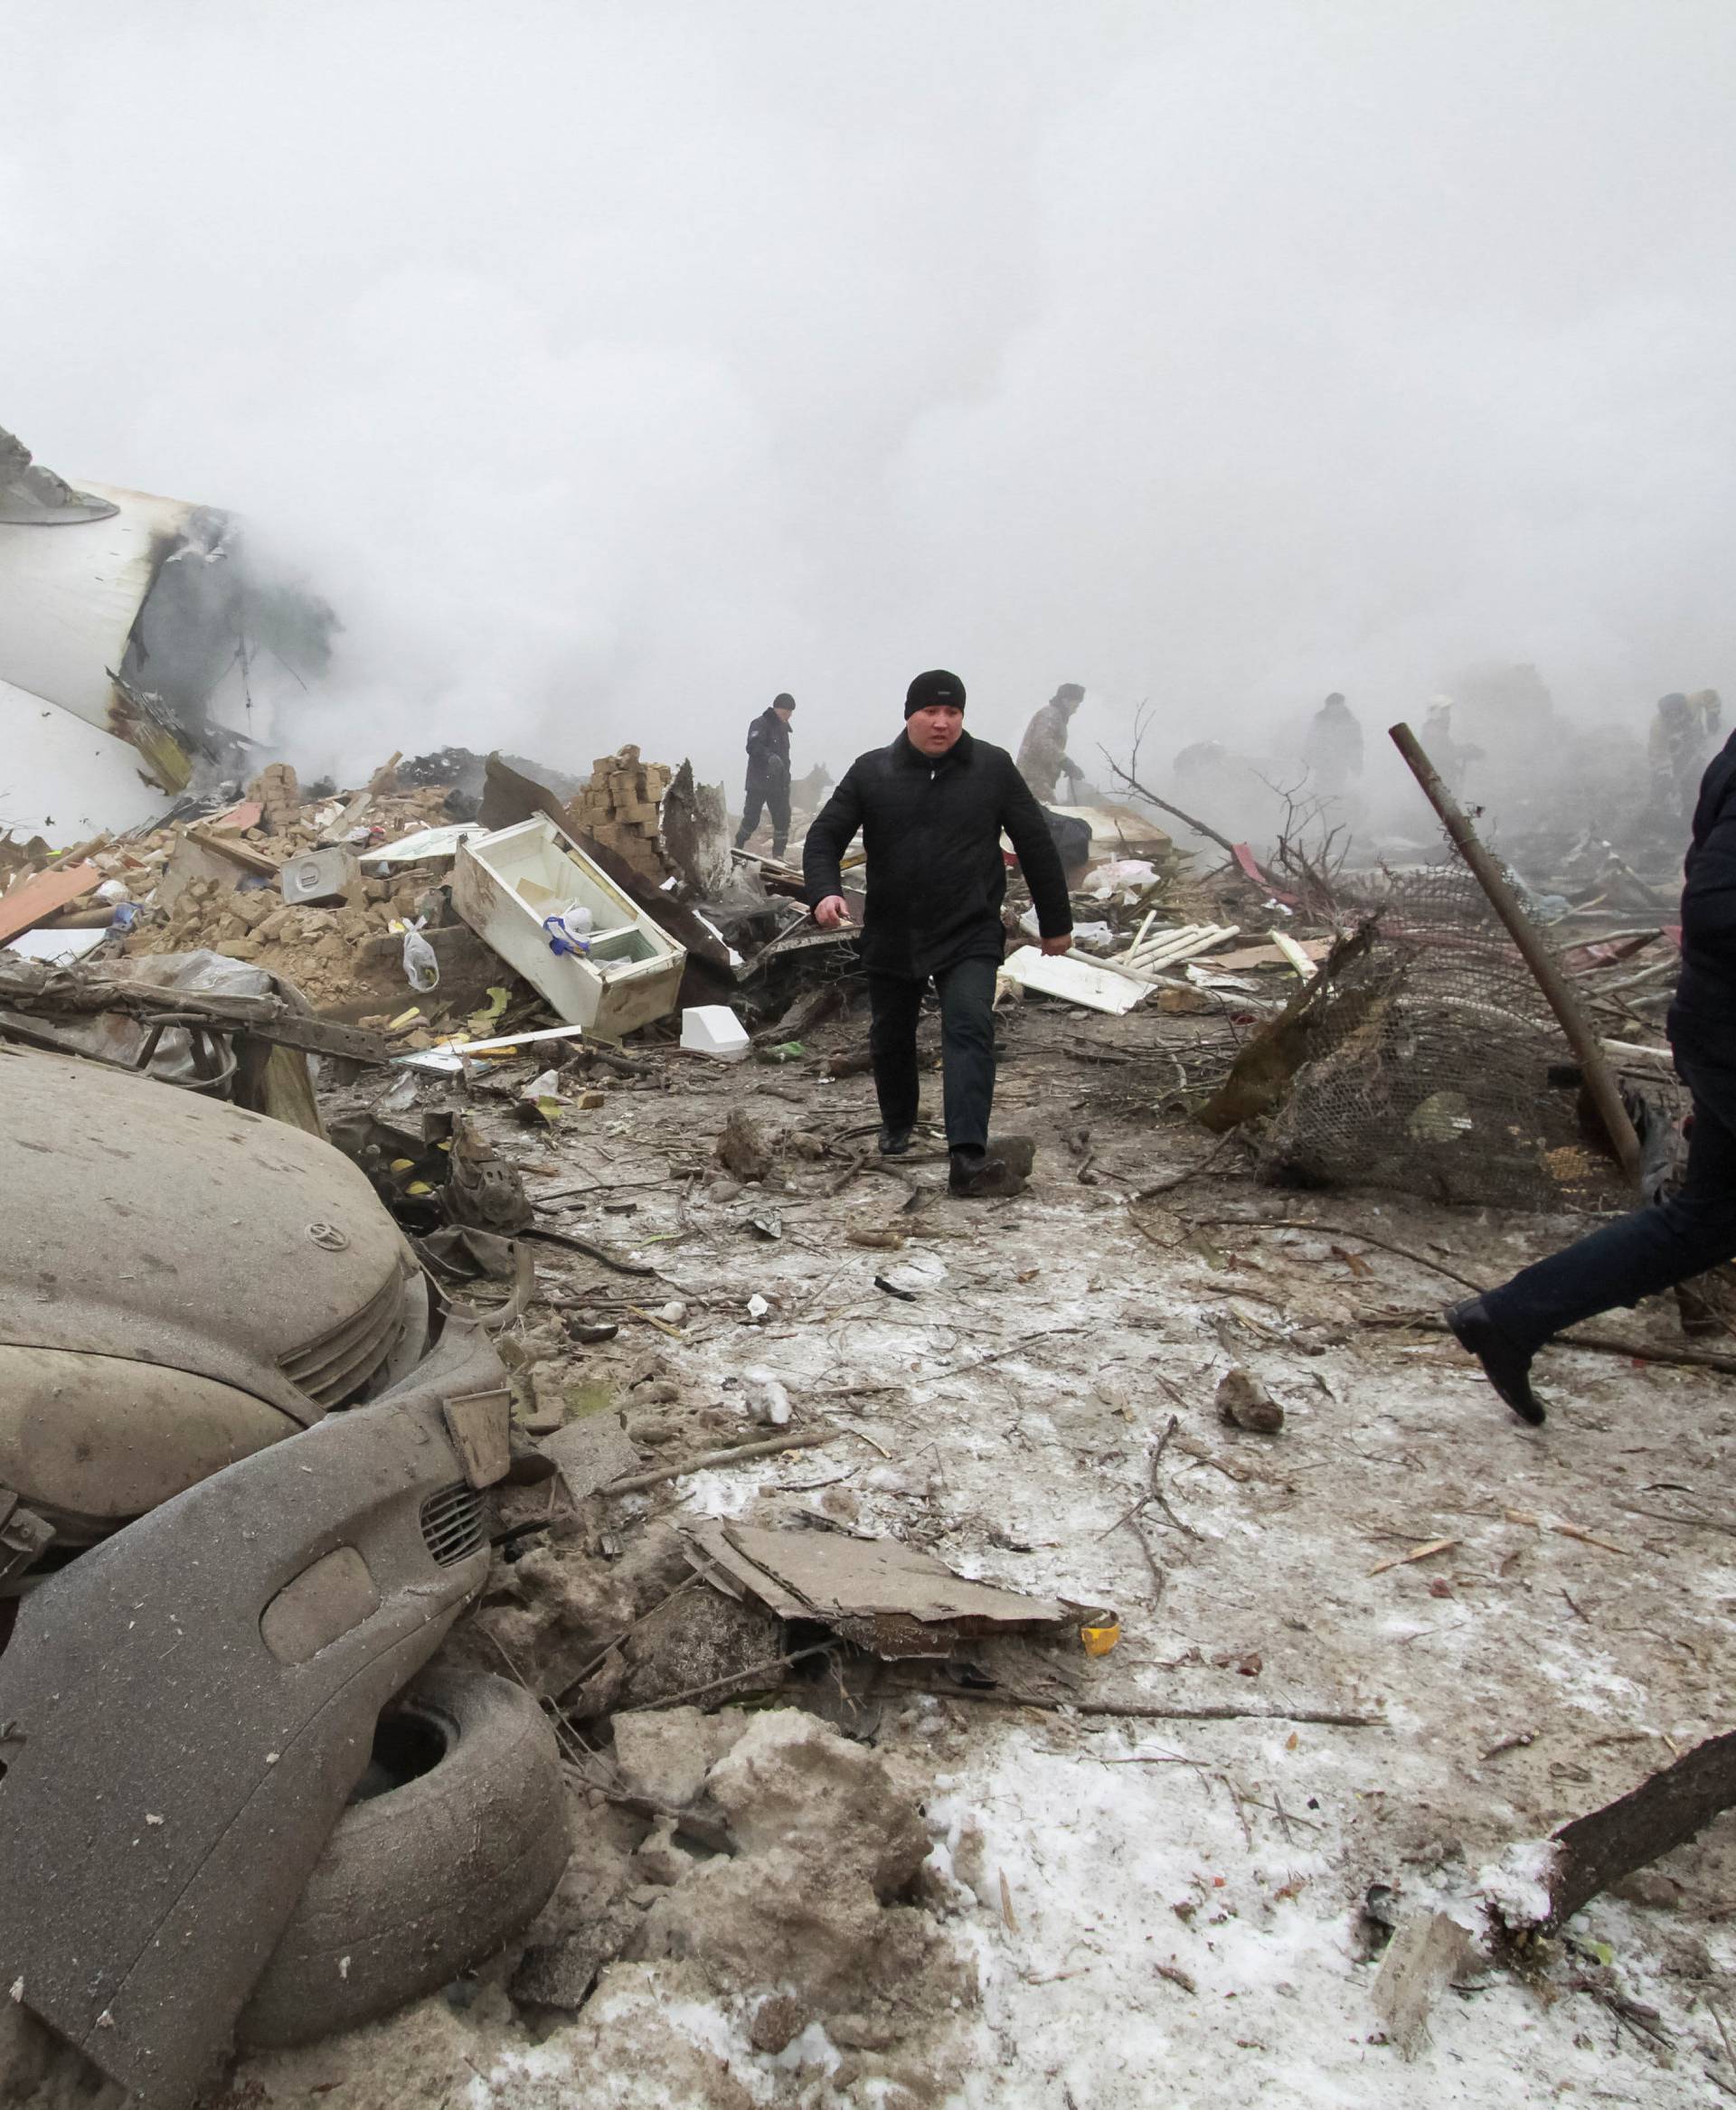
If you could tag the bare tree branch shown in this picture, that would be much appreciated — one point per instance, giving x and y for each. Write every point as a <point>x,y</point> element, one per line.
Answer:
<point>1128,777</point>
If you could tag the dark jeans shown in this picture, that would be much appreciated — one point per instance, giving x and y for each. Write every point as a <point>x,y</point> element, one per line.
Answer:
<point>966,1048</point>
<point>761,794</point>
<point>1651,1250</point>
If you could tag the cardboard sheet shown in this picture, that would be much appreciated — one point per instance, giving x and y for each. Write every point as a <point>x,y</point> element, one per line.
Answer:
<point>885,1596</point>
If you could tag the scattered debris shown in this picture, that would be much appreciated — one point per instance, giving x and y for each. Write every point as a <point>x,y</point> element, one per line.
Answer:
<point>1075,981</point>
<point>1244,1401</point>
<point>742,1148</point>
<point>884,1598</point>
<point>535,898</point>
<point>712,1028</point>
<point>1420,1959</point>
<point>781,1477</point>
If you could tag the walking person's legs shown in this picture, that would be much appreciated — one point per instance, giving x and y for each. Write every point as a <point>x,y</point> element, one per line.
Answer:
<point>968,1050</point>
<point>778,803</point>
<point>1641,1255</point>
<point>753,803</point>
<point>893,1006</point>
<point>979,1168</point>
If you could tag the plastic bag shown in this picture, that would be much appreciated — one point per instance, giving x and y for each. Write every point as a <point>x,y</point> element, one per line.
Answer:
<point>422,964</point>
<point>569,932</point>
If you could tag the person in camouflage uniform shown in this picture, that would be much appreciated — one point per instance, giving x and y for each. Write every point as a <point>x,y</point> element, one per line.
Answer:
<point>1043,759</point>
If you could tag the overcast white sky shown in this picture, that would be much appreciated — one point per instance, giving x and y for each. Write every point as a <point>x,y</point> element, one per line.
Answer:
<point>611,367</point>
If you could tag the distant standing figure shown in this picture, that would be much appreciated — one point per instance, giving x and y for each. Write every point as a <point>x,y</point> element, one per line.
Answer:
<point>1043,759</point>
<point>769,775</point>
<point>931,807</point>
<point>1673,749</point>
<point>1705,735</point>
<point>1450,760</point>
<point>1333,750</point>
<point>1654,1249</point>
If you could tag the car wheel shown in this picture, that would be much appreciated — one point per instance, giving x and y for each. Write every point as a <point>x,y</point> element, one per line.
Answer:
<point>452,1842</point>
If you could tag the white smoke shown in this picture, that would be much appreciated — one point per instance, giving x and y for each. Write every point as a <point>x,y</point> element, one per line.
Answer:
<point>611,368</point>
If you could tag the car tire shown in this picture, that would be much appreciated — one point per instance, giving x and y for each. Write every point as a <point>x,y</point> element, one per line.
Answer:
<point>423,1879</point>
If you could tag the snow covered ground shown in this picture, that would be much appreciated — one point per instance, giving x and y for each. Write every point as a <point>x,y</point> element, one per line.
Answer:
<point>1173,1910</point>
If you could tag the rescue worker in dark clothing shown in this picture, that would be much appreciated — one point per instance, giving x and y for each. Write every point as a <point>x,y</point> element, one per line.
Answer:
<point>1693,1230</point>
<point>769,775</point>
<point>931,808</point>
<point>1333,750</point>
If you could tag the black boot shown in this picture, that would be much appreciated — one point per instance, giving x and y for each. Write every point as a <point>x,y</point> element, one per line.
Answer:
<point>894,1142</point>
<point>1506,1364</point>
<point>1002,1169</point>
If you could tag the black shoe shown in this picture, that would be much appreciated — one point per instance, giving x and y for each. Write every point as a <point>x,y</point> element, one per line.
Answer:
<point>894,1142</point>
<point>966,1169</point>
<point>1506,1366</point>
<point>1000,1170</point>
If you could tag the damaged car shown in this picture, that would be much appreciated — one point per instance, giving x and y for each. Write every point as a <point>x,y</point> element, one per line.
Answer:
<point>246,1482</point>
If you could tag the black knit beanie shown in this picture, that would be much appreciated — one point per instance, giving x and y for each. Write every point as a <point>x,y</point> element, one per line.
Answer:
<point>929,689</point>
<point>783,702</point>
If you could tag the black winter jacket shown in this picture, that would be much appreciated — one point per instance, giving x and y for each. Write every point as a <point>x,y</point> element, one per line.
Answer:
<point>1703,1019</point>
<point>931,828</point>
<point>768,749</point>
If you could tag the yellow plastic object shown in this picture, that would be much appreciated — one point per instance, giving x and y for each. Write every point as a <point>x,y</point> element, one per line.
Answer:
<point>1100,1639</point>
<point>481,1022</point>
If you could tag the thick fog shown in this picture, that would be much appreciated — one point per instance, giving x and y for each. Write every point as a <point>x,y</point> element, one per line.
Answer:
<point>611,367</point>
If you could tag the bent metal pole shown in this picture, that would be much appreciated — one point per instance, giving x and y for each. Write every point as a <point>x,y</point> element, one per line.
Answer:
<point>1599,1079</point>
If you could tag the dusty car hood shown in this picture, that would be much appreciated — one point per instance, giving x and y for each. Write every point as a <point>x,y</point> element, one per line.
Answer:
<point>145,1221</point>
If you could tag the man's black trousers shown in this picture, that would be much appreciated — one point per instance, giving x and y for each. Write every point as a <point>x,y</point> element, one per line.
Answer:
<point>1651,1250</point>
<point>966,992</point>
<point>762,795</point>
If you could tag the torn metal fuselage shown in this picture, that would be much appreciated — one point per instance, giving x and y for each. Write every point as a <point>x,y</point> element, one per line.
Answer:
<point>146,617</point>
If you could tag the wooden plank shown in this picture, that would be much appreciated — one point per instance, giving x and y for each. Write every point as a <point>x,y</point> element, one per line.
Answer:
<point>29,986</point>
<point>41,896</point>
<point>236,851</point>
<point>1420,1962</point>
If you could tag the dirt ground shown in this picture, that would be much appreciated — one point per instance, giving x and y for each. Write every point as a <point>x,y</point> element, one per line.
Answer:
<point>1132,1907</point>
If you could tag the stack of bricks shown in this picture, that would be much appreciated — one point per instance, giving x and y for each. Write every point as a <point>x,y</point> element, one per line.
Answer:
<point>618,809</point>
<point>279,799</point>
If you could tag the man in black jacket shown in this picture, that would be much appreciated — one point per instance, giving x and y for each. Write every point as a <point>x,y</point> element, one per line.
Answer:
<point>931,808</point>
<point>769,775</point>
<point>1693,1230</point>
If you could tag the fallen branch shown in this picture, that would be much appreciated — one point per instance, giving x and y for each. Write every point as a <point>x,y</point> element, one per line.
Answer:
<point>753,1670</point>
<point>1330,1717</point>
<point>1345,1230</point>
<point>612,1059</point>
<point>1591,1538</point>
<point>1588,1854</point>
<point>651,1319</point>
<point>1416,1553</point>
<point>591,1249</point>
<point>735,1455</point>
<point>1685,1354</point>
<point>1127,778</point>
<point>1177,1179</point>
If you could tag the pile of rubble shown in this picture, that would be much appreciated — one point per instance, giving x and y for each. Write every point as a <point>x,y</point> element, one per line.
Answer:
<point>620,808</point>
